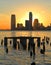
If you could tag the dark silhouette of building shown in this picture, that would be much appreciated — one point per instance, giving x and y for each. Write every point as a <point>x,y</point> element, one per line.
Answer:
<point>36,24</point>
<point>30,16</point>
<point>30,20</point>
<point>20,26</point>
<point>13,22</point>
<point>27,25</point>
<point>42,27</point>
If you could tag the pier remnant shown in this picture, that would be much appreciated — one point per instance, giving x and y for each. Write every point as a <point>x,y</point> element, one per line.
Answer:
<point>2,42</point>
<point>7,50</point>
<point>23,41</point>
<point>42,51</point>
<point>14,43</point>
<point>47,40</point>
<point>5,42</point>
<point>30,44</point>
<point>38,42</point>
<point>34,49</point>
<point>31,54</point>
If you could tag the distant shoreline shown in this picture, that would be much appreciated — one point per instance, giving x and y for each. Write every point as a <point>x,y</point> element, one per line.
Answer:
<point>25,30</point>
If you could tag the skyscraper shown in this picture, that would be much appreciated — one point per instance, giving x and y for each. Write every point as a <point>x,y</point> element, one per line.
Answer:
<point>36,23</point>
<point>13,22</point>
<point>30,19</point>
<point>27,24</point>
<point>30,16</point>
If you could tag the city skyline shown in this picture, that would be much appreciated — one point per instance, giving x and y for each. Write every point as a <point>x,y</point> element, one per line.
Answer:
<point>41,10</point>
<point>29,24</point>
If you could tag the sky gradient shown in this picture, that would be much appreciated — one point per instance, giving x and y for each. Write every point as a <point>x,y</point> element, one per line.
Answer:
<point>41,9</point>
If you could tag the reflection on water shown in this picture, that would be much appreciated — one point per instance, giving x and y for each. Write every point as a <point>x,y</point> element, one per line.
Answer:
<point>13,34</point>
<point>22,57</point>
<point>25,33</point>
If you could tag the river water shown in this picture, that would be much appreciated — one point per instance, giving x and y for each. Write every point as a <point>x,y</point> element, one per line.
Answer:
<point>21,57</point>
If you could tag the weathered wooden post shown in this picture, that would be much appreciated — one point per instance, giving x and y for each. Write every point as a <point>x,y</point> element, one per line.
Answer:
<point>31,54</point>
<point>5,42</point>
<point>7,50</point>
<point>31,42</point>
<point>2,42</point>
<point>44,46</point>
<point>42,51</point>
<point>38,42</point>
<point>34,49</point>
<point>23,42</point>
<point>14,43</point>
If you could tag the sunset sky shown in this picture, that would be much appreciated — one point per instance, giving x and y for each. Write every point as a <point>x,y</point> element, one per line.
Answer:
<point>41,9</point>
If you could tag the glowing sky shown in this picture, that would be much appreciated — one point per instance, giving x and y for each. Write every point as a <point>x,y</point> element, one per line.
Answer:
<point>41,9</point>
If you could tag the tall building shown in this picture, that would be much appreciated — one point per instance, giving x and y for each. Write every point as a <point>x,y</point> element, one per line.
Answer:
<point>13,22</point>
<point>36,24</point>
<point>27,24</point>
<point>30,16</point>
<point>30,19</point>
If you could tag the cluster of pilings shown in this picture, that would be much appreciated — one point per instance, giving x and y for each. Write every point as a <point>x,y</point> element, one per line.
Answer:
<point>23,41</point>
<point>45,40</point>
<point>31,44</point>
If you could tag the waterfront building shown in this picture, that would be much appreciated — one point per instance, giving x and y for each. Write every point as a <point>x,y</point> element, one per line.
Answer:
<point>13,22</point>
<point>30,20</point>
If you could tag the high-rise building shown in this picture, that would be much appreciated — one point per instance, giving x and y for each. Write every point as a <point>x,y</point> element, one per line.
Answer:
<point>27,25</point>
<point>30,19</point>
<point>13,22</point>
<point>30,16</point>
<point>36,23</point>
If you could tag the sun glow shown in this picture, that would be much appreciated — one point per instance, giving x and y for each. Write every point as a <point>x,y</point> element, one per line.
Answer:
<point>35,16</point>
<point>23,18</point>
<point>38,16</point>
<point>38,13</point>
